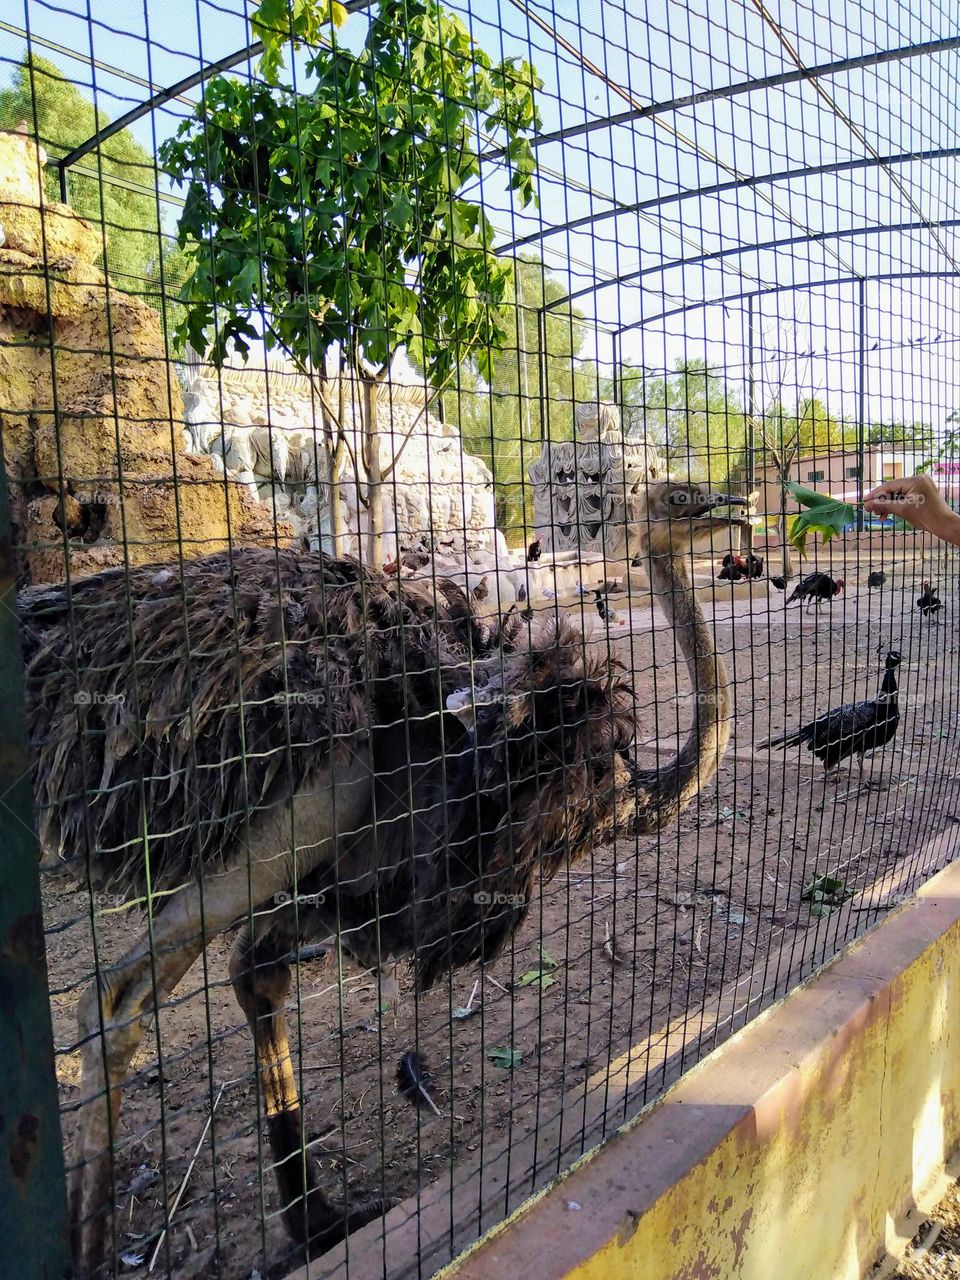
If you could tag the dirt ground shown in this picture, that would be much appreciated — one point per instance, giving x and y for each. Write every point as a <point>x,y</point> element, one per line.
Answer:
<point>617,948</point>
<point>934,1252</point>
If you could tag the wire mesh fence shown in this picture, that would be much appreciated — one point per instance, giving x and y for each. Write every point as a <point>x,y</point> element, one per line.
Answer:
<point>398,406</point>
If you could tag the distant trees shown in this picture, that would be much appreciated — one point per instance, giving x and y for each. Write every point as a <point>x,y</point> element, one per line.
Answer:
<point>916,437</point>
<point>500,415</point>
<point>692,415</point>
<point>42,97</point>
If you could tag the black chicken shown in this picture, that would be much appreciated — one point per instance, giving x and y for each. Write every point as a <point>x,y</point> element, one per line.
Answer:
<point>852,729</point>
<point>779,583</point>
<point>535,551</point>
<point>929,602</point>
<point>734,568</point>
<point>876,579</point>
<point>816,587</point>
<point>754,565</point>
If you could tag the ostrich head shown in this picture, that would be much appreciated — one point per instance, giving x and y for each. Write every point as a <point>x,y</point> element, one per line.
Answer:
<point>675,511</point>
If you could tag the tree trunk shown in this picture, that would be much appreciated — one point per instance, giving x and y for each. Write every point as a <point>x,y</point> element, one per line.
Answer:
<point>334,452</point>
<point>786,554</point>
<point>373,554</point>
<point>338,528</point>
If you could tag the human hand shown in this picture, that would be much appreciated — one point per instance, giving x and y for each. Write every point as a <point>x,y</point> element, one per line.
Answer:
<point>917,500</point>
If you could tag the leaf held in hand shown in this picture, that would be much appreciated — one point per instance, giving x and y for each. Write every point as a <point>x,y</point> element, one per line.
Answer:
<point>824,515</point>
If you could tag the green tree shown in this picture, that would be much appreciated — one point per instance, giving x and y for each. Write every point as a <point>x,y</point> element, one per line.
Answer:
<point>40,96</point>
<point>918,437</point>
<point>339,215</point>
<point>504,420</point>
<point>691,414</point>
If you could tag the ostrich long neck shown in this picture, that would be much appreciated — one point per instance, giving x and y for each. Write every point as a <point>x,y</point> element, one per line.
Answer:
<point>665,791</point>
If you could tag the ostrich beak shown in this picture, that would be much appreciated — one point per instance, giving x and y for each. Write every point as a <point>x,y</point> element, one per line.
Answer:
<point>720,509</point>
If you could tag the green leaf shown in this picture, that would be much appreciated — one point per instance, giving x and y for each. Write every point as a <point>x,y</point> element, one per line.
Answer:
<point>506,1059</point>
<point>824,515</point>
<point>538,977</point>
<point>824,893</point>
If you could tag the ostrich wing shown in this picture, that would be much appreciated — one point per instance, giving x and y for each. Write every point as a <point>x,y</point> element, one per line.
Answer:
<point>166,710</point>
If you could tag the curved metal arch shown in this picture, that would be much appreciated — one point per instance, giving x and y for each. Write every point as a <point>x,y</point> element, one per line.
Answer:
<point>927,48</point>
<point>808,286</point>
<point>736,184</point>
<point>174,91</point>
<point>763,246</point>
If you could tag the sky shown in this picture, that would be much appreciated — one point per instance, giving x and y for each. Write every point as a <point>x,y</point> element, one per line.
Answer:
<point>623,54</point>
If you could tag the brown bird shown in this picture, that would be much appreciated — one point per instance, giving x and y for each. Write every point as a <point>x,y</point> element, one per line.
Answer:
<point>345,736</point>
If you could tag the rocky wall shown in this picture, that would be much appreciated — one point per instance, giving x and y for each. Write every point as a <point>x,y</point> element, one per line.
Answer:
<point>91,412</point>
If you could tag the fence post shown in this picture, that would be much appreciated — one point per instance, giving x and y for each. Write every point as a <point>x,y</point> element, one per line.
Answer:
<point>34,1227</point>
<point>751,413</point>
<point>861,395</point>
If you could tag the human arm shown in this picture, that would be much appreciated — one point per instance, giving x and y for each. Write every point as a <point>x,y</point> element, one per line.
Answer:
<point>917,500</point>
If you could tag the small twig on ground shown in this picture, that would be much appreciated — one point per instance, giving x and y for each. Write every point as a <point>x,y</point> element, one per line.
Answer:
<point>611,948</point>
<point>183,1185</point>
<point>498,985</point>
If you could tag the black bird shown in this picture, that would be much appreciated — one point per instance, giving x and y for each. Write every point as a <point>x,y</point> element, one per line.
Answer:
<point>754,566</point>
<point>876,579</point>
<point>779,583</point>
<point>929,602</point>
<point>816,587</point>
<point>734,568</point>
<point>604,610</point>
<point>535,551</point>
<point>852,729</point>
<point>521,593</point>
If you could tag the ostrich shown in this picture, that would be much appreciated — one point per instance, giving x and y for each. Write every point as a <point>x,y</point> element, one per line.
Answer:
<point>266,721</point>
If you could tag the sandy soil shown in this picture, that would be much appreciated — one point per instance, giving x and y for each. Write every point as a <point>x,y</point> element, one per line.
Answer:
<point>717,896</point>
<point>934,1252</point>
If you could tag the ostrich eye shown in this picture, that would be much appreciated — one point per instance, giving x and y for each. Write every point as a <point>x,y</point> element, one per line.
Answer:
<point>681,498</point>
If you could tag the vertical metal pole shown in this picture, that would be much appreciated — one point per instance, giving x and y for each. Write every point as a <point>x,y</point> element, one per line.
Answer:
<point>64,189</point>
<point>34,1226</point>
<point>542,362</point>
<point>617,376</point>
<point>861,395</point>
<point>751,411</point>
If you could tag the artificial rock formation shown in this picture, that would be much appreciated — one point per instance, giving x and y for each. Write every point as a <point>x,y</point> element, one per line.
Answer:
<point>90,406</point>
<point>263,425</point>
<point>588,490</point>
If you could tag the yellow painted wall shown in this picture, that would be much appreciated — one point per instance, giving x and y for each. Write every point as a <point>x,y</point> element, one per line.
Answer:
<point>794,1152</point>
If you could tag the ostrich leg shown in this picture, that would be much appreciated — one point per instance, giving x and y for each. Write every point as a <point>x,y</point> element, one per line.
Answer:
<point>111,1016</point>
<point>260,972</point>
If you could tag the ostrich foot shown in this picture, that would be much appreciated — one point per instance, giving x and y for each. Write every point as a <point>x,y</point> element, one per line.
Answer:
<point>326,1224</point>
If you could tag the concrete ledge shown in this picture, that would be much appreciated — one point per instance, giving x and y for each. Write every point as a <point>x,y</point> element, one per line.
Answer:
<point>798,1150</point>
